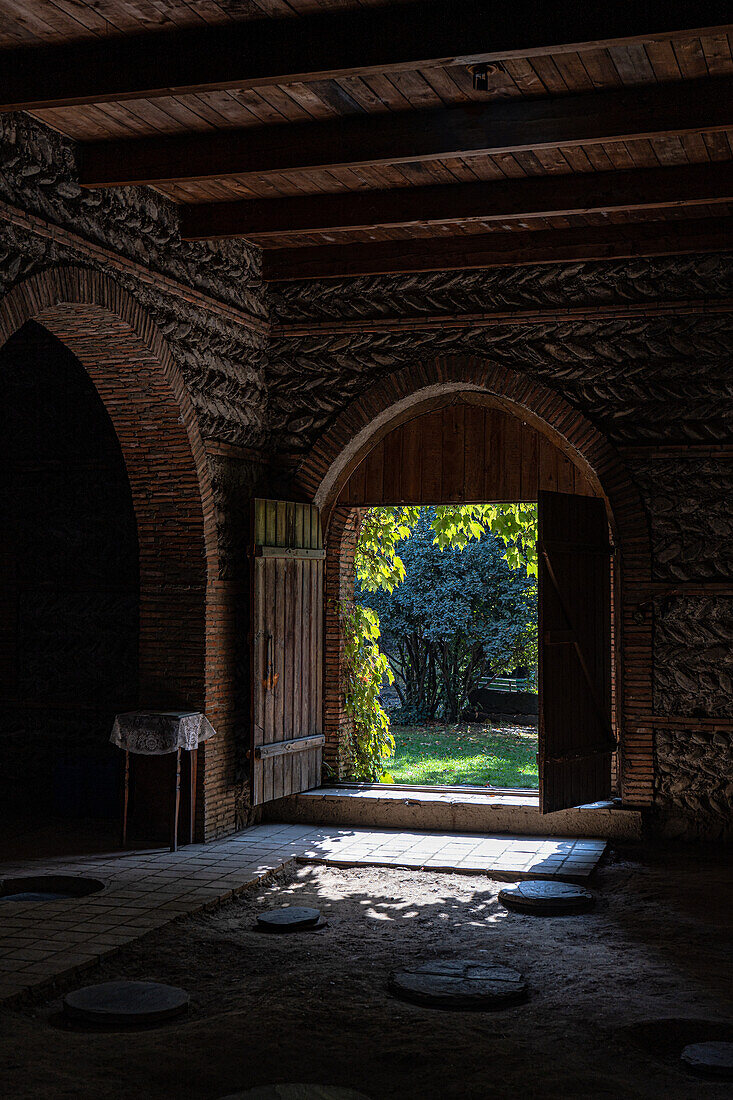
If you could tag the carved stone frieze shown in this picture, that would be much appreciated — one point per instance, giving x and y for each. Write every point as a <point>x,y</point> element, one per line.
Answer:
<point>38,173</point>
<point>690,505</point>
<point>694,778</point>
<point>561,285</point>
<point>693,656</point>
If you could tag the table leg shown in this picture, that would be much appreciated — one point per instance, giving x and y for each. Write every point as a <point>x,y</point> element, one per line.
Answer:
<point>192,768</point>
<point>176,802</point>
<point>125,797</point>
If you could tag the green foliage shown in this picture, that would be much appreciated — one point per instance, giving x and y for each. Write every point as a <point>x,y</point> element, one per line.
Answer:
<point>376,561</point>
<point>380,569</point>
<point>365,667</point>
<point>379,566</point>
<point>515,524</point>
<point>460,614</point>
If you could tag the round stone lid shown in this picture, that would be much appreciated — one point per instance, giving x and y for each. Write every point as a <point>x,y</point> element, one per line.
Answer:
<point>460,984</point>
<point>291,918</point>
<point>547,898</point>
<point>125,1003</point>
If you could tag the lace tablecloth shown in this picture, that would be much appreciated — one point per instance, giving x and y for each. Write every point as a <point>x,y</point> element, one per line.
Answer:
<point>158,732</point>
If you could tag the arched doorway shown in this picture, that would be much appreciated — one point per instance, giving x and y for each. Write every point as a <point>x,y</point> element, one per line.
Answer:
<point>91,322</point>
<point>70,584</point>
<point>383,431</point>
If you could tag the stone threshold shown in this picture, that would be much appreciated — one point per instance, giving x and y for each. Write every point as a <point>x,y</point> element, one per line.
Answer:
<point>453,809</point>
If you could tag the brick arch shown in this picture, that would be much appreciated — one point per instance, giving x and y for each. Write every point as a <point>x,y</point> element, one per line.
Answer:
<point>142,389</point>
<point>407,392</point>
<point>411,390</point>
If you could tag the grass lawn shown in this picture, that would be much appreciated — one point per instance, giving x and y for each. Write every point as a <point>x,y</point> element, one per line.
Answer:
<point>474,754</point>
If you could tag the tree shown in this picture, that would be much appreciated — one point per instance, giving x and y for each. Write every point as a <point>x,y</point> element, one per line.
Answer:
<point>379,568</point>
<point>460,613</point>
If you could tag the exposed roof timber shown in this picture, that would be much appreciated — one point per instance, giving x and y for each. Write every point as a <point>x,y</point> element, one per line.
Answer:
<point>509,249</point>
<point>477,129</point>
<point>548,196</point>
<point>275,51</point>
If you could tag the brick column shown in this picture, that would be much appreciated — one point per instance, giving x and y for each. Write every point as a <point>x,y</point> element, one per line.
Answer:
<point>341,539</point>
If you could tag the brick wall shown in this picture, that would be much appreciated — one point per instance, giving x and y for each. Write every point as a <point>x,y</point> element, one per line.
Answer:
<point>69,585</point>
<point>236,384</point>
<point>173,337</point>
<point>341,539</point>
<point>633,360</point>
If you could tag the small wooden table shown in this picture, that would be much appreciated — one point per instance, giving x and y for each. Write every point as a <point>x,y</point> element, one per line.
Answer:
<point>155,733</point>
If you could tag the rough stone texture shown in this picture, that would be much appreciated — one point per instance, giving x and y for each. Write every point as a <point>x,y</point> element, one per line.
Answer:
<point>196,304</point>
<point>634,379</point>
<point>561,285</point>
<point>693,656</point>
<point>38,173</point>
<point>694,780</point>
<point>690,502</point>
<point>660,379</point>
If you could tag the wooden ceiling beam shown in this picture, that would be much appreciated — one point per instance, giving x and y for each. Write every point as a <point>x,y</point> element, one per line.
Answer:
<point>477,129</point>
<point>253,53</point>
<point>546,196</point>
<point>508,249</point>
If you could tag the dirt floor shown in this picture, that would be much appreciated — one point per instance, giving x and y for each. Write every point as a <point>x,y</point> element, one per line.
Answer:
<point>613,994</point>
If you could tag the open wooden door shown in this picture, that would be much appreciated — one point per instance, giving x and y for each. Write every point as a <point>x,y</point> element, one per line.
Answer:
<point>287,649</point>
<point>576,736</point>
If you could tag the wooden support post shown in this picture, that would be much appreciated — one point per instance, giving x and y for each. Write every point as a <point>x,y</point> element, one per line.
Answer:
<point>176,802</point>
<point>125,797</point>
<point>192,769</point>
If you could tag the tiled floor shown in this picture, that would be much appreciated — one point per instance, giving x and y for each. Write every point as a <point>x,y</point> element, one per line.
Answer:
<point>144,890</point>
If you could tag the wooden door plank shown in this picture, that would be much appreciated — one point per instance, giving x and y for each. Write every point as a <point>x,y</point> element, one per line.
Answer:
<point>431,458</point>
<point>474,460</point>
<point>392,466</point>
<point>530,472</point>
<point>410,488</point>
<point>576,736</point>
<point>287,646</point>
<point>453,422</point>
<point>375,475</point>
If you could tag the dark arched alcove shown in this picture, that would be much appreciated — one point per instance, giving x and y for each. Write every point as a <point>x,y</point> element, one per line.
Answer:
<point>69,585</point>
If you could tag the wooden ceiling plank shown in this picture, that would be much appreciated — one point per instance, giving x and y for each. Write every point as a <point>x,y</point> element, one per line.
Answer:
<point>501,127</point>
<point>550,75</point>
<point>690,58</point>
<point>573,71</point>
<point>601,69</point>
<point>632,64</point>
<point>717,146</point>
<point>326,45</point>
<point>716,50</point>
<point>532,197</point>
<point>499,250</point>
<point>524,76</point>
<point>358,90</point>
<point>663,60</point>
<point>642,153</point>
<point>443,84</point>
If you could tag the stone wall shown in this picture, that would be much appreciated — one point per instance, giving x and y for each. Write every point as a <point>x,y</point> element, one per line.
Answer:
<point>209,305</point>
<point>641,348</point>
<point>644,350</point>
